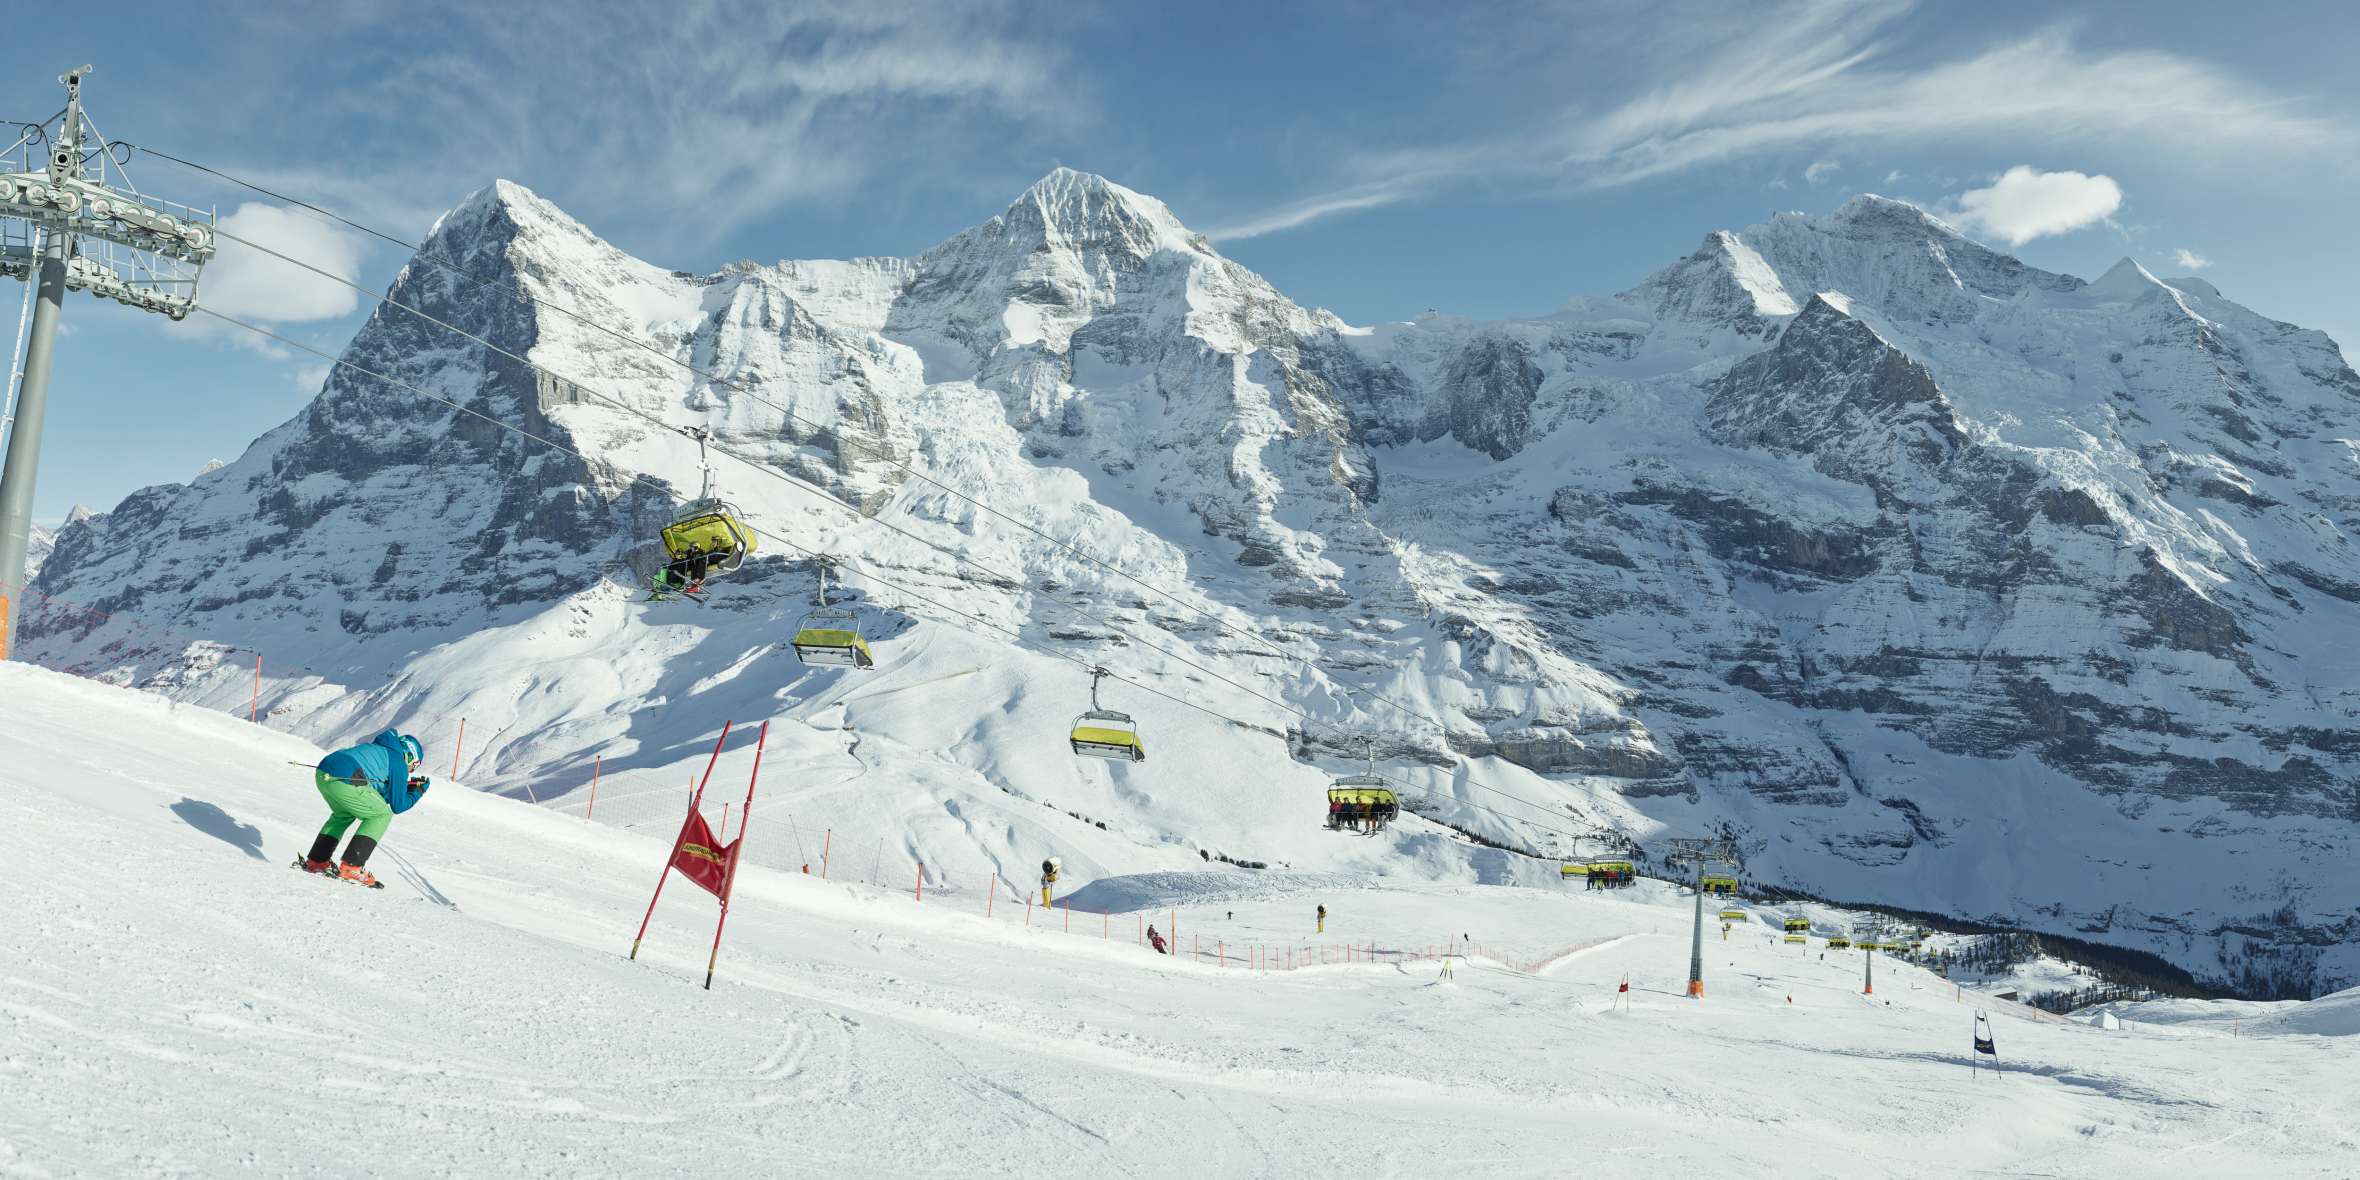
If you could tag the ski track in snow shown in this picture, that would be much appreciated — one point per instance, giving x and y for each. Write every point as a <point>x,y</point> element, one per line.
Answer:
<point>173,1006</point>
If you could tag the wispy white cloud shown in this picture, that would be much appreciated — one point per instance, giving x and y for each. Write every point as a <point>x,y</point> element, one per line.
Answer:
<point>1894,177</point>
<point>2187,259</point>
<point>1824,73</point>
<point>1284,217</point>
<point>690,118</point>
<point>2025,203</point>
<point>1820,170</point>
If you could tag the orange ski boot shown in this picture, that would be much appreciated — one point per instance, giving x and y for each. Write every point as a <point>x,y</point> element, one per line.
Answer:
<point>358,876</point>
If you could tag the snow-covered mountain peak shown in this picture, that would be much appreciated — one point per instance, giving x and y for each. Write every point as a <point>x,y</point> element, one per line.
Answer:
<point>482,229</point>
<point>1869,212</point>
<point>1724,283</point>
<point>1084,210</point>
<point>2125,280</point>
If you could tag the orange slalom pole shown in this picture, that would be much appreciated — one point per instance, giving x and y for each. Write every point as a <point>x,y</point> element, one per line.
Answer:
<point>921,882</point>
<point>254,708</point>
<point>827,842</point>
<point>596,764</point>
<point>666,873</point>
<point>991,897</point>
<point>737,850</point>
<point>461,744</point>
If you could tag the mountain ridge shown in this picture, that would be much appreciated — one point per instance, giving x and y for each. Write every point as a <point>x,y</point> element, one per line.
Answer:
<point>1668,560</point>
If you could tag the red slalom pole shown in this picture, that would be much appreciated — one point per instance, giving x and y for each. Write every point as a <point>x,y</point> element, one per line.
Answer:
<point>825,844</point>
<point>461,744</point>
<point>595,765</point>
<point>666,873</point>
<point>921,882</point>
<point>737,849</point>
<point>992,897</point>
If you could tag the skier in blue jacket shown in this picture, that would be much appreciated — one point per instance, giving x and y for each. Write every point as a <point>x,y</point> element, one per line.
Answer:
<point>368,784</point>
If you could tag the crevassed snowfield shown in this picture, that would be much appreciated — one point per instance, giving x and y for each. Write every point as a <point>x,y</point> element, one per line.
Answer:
<point>177,1002</point>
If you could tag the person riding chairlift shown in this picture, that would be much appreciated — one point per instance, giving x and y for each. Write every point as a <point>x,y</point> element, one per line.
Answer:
<point>686,572</point>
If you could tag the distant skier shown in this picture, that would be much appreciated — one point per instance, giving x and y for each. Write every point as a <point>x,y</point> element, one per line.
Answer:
<point>1156,940</point>
<point>368,784</point>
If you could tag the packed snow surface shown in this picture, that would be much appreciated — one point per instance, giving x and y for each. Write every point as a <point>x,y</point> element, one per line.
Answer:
<point>178,1002</point>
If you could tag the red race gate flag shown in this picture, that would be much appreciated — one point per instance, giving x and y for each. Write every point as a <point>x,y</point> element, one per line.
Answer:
<point>702,857</point>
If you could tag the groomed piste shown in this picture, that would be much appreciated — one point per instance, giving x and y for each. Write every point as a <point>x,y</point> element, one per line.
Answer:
<point>178,1002</point>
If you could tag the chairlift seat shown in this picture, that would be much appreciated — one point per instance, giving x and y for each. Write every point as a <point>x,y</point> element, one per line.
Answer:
<point>832,636</point>
<point>1104,733</point>
<point>1371,792</point>
<point>714,526</point>
<point>1733,915</point>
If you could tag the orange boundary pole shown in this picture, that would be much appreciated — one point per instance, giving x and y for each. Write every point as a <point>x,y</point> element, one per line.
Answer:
<point>595,765</point>
<point>461,744</point>
<point>665,873</point>
<point>737,849</point>
<point>254,707</point>
<point>921,882</point>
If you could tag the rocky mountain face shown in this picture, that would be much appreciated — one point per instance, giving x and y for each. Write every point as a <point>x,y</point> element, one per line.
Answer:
<point>1940,580</point>
<point>37,549</point>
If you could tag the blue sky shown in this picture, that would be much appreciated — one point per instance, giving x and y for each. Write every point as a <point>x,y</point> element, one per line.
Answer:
<point>1484,159</point>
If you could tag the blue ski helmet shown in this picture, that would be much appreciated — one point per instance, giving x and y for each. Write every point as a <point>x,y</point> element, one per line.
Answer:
<point>411,747</point>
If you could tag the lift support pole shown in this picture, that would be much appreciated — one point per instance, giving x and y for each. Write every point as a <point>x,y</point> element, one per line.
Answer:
<point>24,438</point>
<point>113,242</point>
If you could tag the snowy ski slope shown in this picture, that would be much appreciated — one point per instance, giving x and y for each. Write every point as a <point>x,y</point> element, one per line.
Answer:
<point>177,1002</point>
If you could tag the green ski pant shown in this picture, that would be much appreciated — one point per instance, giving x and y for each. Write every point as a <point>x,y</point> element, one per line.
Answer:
<point>347,803</point>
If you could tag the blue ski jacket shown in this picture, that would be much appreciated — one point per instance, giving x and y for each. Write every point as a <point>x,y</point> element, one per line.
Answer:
<point>384,763</point>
